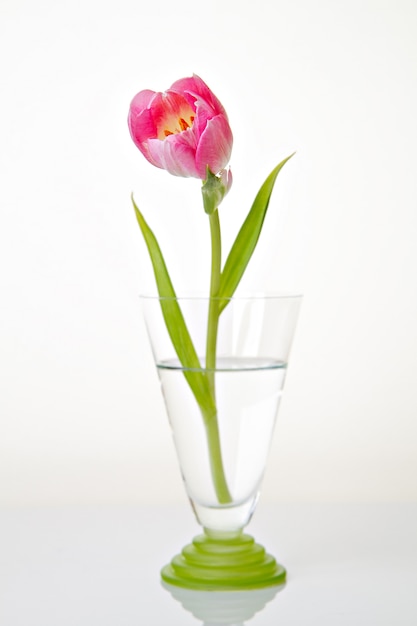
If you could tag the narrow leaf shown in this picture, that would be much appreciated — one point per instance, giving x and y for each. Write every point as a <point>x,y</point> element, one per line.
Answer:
<point>247,238</point>
<point>174,319</point>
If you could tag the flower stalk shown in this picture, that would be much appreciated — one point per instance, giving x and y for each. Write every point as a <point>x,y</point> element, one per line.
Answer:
<point>211,423</point>
<point>213,314</point>
<point>216,459</point>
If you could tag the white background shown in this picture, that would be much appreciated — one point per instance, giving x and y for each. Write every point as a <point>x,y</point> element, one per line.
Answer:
<point>81,417</point>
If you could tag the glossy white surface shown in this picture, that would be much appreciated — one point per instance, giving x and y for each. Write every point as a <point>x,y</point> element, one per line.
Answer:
<point>347,564</point>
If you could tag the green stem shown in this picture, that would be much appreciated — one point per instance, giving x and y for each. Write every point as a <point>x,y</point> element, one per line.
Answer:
<point>213,315</point>
<point>211,422</point>
<point>216,461</point>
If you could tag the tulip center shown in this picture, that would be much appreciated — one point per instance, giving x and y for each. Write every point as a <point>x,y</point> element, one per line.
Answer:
<point>177,123</point>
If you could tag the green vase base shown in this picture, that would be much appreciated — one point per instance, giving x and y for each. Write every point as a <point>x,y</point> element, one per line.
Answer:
<point>223,562</point>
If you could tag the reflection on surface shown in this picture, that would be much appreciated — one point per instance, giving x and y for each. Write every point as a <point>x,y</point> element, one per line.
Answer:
<point>223,607</point>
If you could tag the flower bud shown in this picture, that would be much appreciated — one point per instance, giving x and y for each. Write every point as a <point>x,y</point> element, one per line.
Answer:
<point>184,130</point>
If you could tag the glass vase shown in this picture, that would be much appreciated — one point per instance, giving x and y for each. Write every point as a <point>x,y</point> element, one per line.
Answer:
<point>222,405</point>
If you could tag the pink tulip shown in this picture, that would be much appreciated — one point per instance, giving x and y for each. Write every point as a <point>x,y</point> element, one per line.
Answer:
<point>183,130</point>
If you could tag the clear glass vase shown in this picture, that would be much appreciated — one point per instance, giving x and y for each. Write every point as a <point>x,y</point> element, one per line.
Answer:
<point>222,406</point>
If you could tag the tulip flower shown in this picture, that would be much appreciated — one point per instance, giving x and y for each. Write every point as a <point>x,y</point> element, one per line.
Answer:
<point>184,130</point>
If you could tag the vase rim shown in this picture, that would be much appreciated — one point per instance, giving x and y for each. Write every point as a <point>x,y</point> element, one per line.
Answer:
<point>248,296</point>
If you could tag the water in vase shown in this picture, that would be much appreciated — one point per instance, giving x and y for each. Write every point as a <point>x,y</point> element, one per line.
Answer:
<point>247,391</point>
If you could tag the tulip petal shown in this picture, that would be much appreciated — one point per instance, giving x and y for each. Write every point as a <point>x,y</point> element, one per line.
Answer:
<point>141,101</point>
<point>195,88</point>
<point>227,179</point>
<point>215,146</point>
<point>176,154</point>
<point>142,128</point>
<point>140,121</point>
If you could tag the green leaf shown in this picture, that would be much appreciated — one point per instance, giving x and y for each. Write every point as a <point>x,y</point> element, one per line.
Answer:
<point>174,319</point>
<point>247,238</point>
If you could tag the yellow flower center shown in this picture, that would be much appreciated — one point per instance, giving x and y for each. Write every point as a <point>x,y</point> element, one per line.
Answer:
<point>175,124</point>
